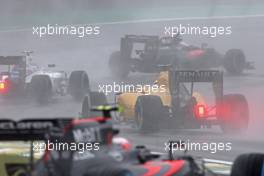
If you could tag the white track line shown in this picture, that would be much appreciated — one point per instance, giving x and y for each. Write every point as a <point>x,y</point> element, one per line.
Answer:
<point>218,161</point>
<point>146,21</point>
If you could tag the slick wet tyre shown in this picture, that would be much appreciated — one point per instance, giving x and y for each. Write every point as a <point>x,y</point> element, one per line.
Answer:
<point>148,110</point>
<point>79,85</point>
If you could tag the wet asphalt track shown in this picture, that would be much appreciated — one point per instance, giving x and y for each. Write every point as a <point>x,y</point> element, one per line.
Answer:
<point>91,54</point>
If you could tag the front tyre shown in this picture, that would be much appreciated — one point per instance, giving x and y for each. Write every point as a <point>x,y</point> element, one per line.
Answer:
<point>148,110</point>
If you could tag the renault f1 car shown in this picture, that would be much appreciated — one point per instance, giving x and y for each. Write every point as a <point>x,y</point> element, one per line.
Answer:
<point>21,77</point>
<point>112,157</point>
<point>173,105</point>
<point>141,53</point>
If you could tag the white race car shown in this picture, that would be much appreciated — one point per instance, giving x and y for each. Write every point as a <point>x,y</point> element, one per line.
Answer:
<point>22,77</point>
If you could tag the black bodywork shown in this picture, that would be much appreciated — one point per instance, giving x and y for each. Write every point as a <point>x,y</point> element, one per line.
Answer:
<point>155,51</point>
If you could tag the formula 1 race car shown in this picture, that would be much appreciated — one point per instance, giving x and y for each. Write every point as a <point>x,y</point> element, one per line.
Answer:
<point>104,155</point>
<point>20,77</point>
<point>141,53</point>
<point>170,104</point>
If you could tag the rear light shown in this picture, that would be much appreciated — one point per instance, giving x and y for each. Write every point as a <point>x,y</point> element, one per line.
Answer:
<point>195,53</point>
<point>3,82</point>
<point>2,86</point>
<point>200,111</point>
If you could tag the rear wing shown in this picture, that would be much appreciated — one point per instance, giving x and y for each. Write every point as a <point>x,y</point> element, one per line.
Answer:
<point>197,76</point>
<point>126,43</point>
<point>190,76</point>
<point>11,60</point>
<point>29,129</point>
<point>141,38</point>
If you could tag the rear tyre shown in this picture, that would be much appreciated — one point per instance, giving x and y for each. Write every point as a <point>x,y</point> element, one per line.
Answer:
<point>235,61</point>
<point>248,164</point>
<point>118,67</point>
<point>41,87</point>
<point>79,85</point>
<point>234,112</point>
<point>147,112</point>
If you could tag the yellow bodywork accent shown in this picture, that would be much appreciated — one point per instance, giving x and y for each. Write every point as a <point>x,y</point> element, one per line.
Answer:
<point>15,153</point>
<point>128,100</point>
<point>108,108</point>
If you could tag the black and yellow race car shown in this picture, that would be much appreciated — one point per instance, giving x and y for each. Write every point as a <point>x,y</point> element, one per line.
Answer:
<point>172,103</point>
